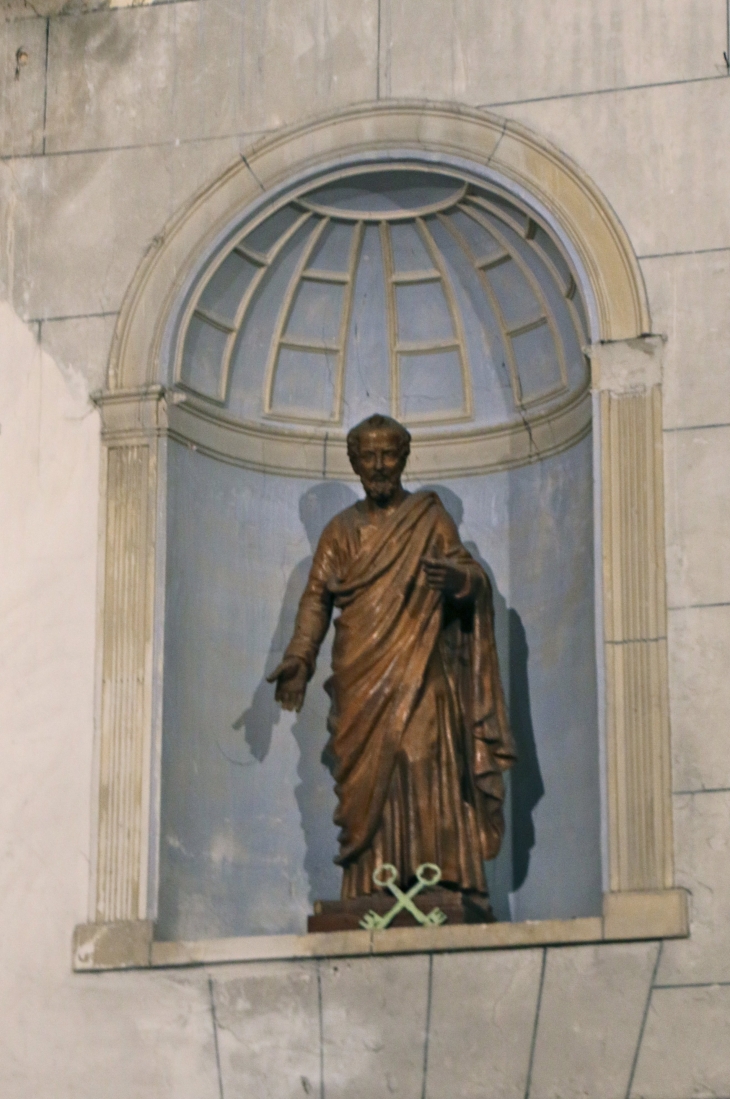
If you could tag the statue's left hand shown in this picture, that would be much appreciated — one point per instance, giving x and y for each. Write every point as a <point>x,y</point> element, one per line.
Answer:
<point>443,575</point>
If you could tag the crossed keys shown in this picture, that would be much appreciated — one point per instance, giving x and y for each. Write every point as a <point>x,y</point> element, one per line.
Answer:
<point>386,876</point>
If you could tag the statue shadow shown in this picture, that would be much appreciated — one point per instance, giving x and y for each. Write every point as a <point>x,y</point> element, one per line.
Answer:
<point>314,794</point>
<point>525,786</point>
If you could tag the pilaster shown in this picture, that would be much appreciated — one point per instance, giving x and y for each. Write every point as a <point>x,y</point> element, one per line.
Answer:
<point>626,379</point>
<point>133,424</point>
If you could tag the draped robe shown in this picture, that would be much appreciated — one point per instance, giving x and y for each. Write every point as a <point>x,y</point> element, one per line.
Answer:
<point>419,736</point>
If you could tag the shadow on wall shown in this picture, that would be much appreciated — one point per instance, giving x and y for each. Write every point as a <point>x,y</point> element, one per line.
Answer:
<point>314,794</point>
<point>524,784</point>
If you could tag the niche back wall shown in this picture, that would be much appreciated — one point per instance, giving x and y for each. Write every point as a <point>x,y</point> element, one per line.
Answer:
<point>247,838</point>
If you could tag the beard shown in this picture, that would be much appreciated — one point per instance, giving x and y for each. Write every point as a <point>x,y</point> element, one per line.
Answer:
<point>381,488</point>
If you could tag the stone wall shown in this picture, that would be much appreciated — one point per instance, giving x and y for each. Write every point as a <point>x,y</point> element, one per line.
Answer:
<point>111,119</point>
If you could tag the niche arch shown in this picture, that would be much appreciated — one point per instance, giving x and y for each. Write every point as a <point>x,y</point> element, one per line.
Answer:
<point>142,408</point>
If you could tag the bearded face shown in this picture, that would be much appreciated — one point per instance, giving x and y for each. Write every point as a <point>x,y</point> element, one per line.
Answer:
<point>379,463</point>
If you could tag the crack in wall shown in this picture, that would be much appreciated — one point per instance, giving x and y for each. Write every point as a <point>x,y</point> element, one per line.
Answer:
<point>644,1017</point>
<point>245,161</point>
<point>211,994</point>
<point>429,997</point>
<point>45,87</point>
<point>533,1043</point>
<point>320,1015</point>
<point>377,53</point>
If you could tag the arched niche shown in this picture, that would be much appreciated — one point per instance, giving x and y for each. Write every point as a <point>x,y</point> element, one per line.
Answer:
<point>150,405</point>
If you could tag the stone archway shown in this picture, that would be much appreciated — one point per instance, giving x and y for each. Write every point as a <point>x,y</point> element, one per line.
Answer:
<point>138,412</point>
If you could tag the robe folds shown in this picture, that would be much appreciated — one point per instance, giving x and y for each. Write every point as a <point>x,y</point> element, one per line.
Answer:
<point>419,735</point>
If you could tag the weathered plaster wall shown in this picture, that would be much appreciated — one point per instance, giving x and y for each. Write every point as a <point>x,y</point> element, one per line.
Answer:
<point>114,120</point>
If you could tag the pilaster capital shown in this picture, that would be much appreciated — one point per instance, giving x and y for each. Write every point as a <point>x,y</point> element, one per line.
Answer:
<point>130,415</point>
<point>627,366</point>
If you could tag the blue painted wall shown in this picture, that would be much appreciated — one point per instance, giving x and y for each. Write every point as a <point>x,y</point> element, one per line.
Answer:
<point>247,839</point>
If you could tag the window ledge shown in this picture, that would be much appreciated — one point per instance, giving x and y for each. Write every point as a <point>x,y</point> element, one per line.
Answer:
<point>129,944</point>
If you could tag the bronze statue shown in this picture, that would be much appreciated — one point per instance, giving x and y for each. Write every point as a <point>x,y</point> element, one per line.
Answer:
<point>418,728</point>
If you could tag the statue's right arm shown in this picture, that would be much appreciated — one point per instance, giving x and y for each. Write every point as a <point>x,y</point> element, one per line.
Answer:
<point>312,621</point>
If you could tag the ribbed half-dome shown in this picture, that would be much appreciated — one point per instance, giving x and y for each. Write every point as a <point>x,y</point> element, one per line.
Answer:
<point>397,290</point>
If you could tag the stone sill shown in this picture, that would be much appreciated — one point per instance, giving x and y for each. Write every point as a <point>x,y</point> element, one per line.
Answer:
<point>659,914</point>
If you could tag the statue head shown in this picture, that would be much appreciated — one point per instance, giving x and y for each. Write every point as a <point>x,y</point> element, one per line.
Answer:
<point>378,450</point>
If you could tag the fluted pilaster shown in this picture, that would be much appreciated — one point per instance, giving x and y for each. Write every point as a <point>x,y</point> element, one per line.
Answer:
<point>627,383</point>
<point>131,426</point>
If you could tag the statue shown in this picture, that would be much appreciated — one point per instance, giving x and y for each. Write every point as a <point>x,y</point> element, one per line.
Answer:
<point>418,728</point>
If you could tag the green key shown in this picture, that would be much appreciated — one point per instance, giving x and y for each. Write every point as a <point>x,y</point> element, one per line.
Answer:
<point>386,876</point>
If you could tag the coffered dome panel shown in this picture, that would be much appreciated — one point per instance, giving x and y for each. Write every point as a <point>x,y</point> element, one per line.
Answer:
<point>402,289</point>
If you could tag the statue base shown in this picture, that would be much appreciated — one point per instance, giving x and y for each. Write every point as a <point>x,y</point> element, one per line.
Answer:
<point>346,915</point>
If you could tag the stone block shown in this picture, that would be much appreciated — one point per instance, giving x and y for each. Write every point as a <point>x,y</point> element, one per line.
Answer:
<point>78,225</point>
<point>699,697</point>
<point>627,366</point>
<point>687,298</point>
<point>647,914</point>
<point>465,51</point>
<point>592,1005</point>
<point>374,1027</point>
<point>702,856</point>
<point>482,1022</point>
<point>327,50</point>
<point>158,73</point>
<point>80,347</point>
<point>697,516</point>
<point>152,1035</point>
<point>487,935</point>
<point>684,1051</point>
<point>116,1035</point>
<point>257,948</point>
<point>22,85</point>
<point>164,73</point>
<point>667,184</point>
<point>268,1030</point>
<point>124,944</point>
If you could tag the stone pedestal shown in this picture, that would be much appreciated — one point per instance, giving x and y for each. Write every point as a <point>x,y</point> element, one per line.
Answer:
<point>346,915</point>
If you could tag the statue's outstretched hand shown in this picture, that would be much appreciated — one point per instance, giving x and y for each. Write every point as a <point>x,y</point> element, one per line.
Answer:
<point>443,575</point>
<point>291,683</point>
